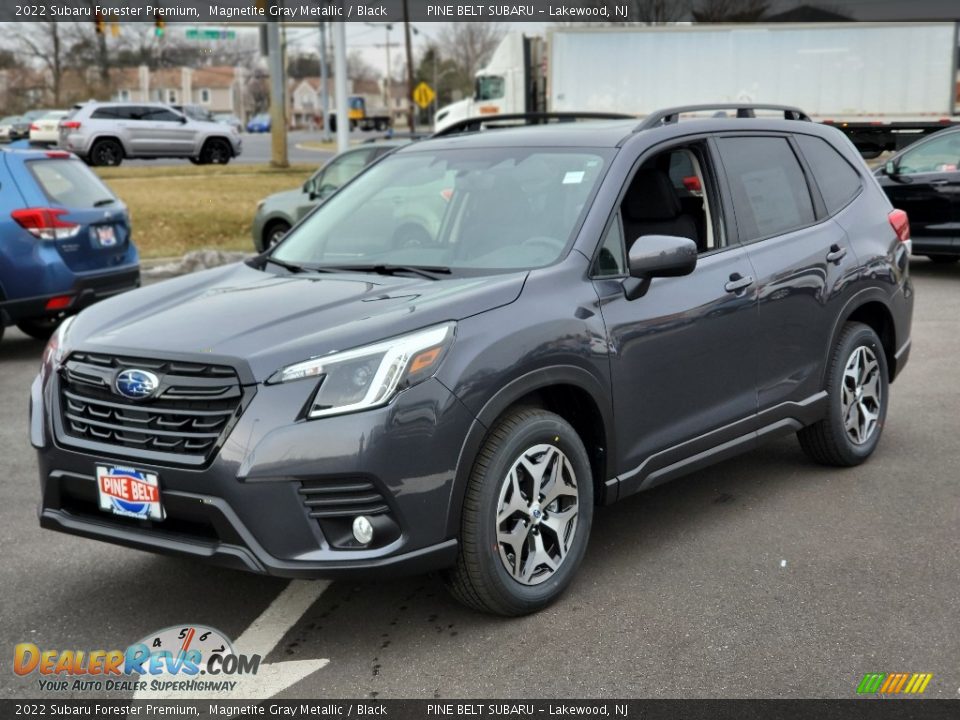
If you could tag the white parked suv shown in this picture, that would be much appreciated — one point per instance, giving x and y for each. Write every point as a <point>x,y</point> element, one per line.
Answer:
<point>104,133</point>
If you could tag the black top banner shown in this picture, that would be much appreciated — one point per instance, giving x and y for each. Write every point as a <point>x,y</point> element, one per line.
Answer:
<point>539,11</point>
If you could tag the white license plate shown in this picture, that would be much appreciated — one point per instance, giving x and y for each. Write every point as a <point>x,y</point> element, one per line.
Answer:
<point>106,236</point>
<point>129,492</point>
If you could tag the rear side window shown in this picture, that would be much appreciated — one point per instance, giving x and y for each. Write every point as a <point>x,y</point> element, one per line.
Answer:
<point>116,112</point>
<point>70,183</point>
<point>770,193</point>
<point>838,181</point>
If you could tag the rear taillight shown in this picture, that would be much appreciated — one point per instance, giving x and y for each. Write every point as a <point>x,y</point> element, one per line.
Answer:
<point>34,126</point>
<point>58,154</point>
<point>45,223</point>
<point>71,125</point>
<point>900,224</point>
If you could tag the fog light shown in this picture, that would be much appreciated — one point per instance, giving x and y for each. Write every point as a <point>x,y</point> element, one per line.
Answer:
<point>362,529</point>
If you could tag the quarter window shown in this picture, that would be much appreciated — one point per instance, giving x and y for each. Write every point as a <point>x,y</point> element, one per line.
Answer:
<point>770,193</point>
<point>610,260</point>
<point>836,178</point>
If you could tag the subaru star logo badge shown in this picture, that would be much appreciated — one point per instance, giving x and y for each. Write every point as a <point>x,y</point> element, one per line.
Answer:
<point>136,384</point>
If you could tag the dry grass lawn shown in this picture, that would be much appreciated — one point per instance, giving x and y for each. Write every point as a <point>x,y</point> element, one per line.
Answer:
<point>174,209</point>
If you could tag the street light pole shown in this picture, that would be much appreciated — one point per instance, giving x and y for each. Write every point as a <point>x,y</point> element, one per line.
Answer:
<point>278,122</point>
<point>409,94</point>
<point>324,93</point>
<point>340,84</point>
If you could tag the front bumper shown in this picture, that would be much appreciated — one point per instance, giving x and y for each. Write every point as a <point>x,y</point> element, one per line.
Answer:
<point>247,509</point>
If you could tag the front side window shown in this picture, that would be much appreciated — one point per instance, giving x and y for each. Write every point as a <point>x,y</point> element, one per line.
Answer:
<point>770,193</point>
<point>838,181</point>
<point>938,155</point>
<point>469,210</point>
<point>158,114</point>
<point>490,87</point>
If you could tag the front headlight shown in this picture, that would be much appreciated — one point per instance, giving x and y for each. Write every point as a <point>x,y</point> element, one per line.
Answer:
<point>372,375</point>
<point>56,346</point>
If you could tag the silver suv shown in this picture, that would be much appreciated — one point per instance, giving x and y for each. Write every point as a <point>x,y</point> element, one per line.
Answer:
<point>105,133</point>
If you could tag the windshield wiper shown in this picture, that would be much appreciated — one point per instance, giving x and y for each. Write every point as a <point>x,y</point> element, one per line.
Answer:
<point>424,271</point>
<point>105,201</point>
<point>295,268</point>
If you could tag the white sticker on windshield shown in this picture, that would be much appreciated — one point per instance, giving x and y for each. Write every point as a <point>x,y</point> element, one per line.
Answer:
<point>573,177</point>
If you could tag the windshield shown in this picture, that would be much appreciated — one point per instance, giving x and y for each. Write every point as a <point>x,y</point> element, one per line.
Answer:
<point>490,87</point>
<point>473,210</point>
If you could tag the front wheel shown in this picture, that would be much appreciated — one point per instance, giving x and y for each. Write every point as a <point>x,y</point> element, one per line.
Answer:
<point>527,514</point>
<point>215,152</point>
<point>857,383</point>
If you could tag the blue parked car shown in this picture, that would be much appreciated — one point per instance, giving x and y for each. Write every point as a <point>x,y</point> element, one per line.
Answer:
<point>259,123</point>
<point>65,240</point>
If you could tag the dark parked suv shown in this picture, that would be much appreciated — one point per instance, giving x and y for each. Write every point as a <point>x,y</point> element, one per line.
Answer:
<point>585,310</point>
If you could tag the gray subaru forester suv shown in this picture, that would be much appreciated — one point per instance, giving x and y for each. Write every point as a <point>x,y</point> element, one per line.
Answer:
<point>104,133</point>
<point>586,311</point>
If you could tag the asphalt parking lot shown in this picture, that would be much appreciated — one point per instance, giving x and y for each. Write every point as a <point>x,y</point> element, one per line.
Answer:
<point>765,576</point>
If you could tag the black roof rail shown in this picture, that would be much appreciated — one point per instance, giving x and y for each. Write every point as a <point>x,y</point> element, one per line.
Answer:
<point>744,110</point>
<point>491,122</point>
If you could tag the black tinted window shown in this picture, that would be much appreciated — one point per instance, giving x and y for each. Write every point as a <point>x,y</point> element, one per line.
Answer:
<point>836,178</point>
<point>155,114</point>
<point>770,194</point>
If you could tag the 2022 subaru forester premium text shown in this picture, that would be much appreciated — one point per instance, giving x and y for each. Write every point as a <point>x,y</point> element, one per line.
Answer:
<point>585,311</point>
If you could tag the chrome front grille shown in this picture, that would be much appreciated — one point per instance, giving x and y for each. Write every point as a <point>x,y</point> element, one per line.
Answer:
<point>187,416</point>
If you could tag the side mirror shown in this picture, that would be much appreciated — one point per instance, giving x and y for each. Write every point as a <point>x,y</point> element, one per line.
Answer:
<point>658,256</point>
<point>183,119</point>
<point>890,168</point>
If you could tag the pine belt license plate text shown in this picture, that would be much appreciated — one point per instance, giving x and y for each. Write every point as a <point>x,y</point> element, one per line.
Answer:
<point>128,492</point>
<point>106,237</point>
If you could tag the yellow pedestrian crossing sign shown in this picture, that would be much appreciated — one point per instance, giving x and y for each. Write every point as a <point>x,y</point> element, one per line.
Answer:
<point>423,95</point>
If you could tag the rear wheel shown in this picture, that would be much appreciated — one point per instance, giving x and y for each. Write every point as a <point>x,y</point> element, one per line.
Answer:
<point>857,389</point>
<point>943,259</point>
<point>215,152</point>
<point>274,233</point>
<point>106,153</point>
<point>526,515</point>
<point>39,328</point>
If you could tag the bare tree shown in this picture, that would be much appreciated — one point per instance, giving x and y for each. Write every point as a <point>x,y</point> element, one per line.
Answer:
<point>358,68</point>
<point>468,46</point>
<point>43,42</point>
<point>729,10</point>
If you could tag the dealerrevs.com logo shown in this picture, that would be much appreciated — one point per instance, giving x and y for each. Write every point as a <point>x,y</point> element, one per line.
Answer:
<point>894,683</point>
<point>179,658</point>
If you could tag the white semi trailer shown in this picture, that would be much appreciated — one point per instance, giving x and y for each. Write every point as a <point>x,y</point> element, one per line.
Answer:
<point>884,84</point>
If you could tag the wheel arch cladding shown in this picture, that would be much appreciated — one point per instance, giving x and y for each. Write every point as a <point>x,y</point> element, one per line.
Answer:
<point>570,392</point>
<point>877,316</point>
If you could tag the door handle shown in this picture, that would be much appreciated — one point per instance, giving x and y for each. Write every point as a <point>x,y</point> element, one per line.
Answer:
<point>738,282</point>
<point>937,183</point>
<point>836,254</point>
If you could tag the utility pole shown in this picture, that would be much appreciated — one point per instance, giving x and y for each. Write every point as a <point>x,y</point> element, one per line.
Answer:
<point>278,119</point>
<point>324,94</point>
<point>340,85</point>
<point>409,94</point>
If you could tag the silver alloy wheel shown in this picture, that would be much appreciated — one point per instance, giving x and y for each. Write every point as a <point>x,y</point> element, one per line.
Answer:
<point>537,514</point>
<point>860,395</point>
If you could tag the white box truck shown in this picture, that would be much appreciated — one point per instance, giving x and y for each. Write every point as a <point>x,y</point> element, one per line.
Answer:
<point>884,84</point>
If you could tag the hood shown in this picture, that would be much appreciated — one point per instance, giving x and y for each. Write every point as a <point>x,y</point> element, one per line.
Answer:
<point>454,112</point>
<point>268,321</point>
<point>285,199</point>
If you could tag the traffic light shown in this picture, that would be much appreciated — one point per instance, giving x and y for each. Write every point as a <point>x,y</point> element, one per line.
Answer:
<point>159,27</point>
<point>100,23</point>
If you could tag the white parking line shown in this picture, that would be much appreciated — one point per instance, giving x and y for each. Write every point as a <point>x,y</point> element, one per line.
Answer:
<point>260,638</point>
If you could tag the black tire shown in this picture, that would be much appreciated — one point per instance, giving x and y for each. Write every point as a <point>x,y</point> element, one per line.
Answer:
<point>2,330</point>
<point>215,152</point>
<point>353,125</point>
<point>106,153</point>
<point>943,259</point>
<point>829,442</point>
<point>481,578</point>
<point>274,232</point>
<point>39,328</point>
